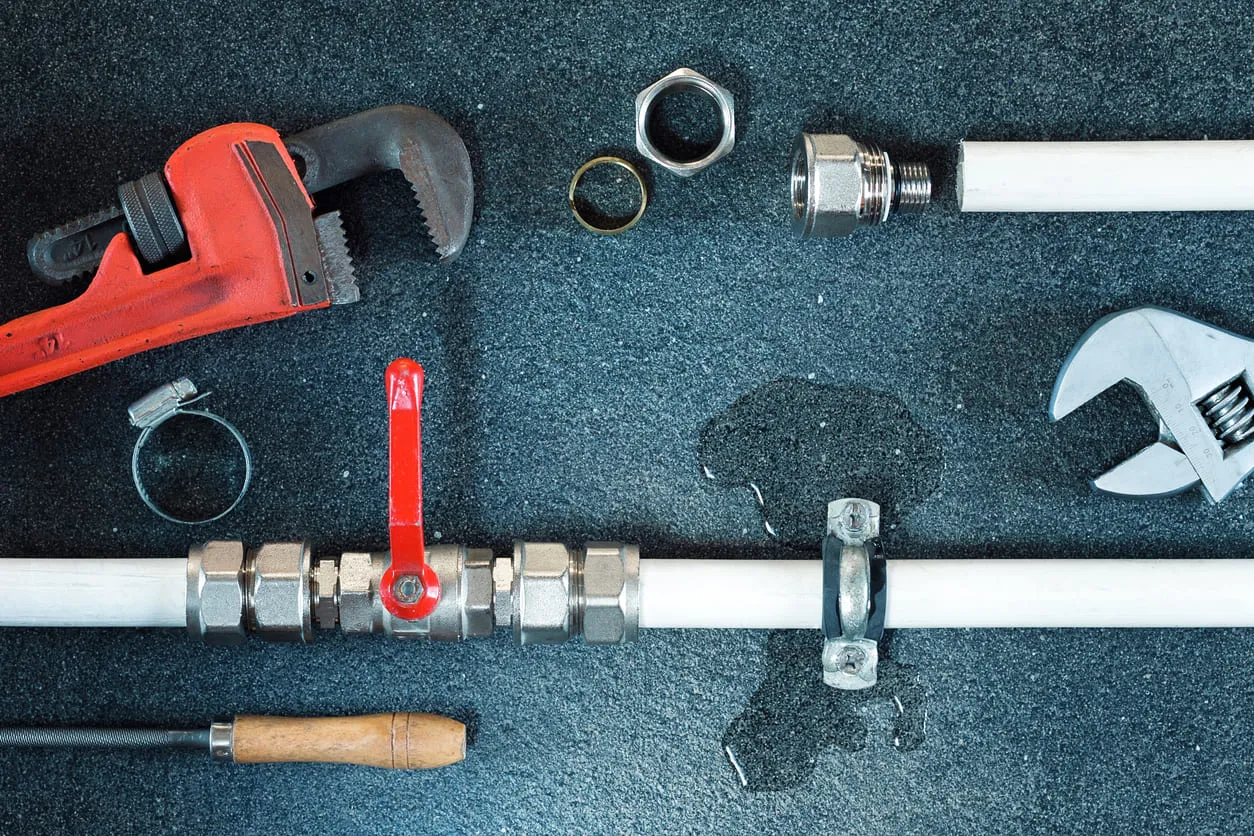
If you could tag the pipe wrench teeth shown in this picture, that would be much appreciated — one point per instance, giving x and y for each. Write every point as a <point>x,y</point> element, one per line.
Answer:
<point>412,140</point>
<point>337,264</point>
<point>1195,379</point>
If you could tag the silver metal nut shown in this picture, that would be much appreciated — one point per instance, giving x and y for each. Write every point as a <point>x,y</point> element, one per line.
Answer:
<point>279,592</point>
<point>359,583</point>
<point>502,592</point>
<point>215,592</point>
<point>326,579</point>
<point>543,582</point>
<point>826,185</point>
<point>477,594</point>
<point>679,81</point>
<point>611,593</point>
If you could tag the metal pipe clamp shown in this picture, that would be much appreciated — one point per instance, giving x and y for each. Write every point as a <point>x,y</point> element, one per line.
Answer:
<point>159,406</point>
<point>854,578</point>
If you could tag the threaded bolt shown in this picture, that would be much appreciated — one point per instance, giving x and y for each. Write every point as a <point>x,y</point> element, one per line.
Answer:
<point>839,184</point>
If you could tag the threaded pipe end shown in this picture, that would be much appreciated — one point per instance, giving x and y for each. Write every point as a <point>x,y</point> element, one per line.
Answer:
<point>877,185</point>
<point>912,187</point>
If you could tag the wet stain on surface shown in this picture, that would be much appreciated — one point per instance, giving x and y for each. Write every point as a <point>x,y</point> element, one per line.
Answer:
<point>797,445</point>
<point>793,717</point>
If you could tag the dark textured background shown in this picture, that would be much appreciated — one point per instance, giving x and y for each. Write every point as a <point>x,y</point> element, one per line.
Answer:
<point>570,377</point>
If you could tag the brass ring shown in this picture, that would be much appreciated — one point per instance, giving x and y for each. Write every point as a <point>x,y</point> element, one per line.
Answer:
<point>588,166</point>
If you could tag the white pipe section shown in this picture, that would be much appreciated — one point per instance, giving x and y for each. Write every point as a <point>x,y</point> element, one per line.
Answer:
<point>755,594</point>
<point>752,594</point>
<point>1196,176</point>
<point>81,592</point>
<point>784,594</point>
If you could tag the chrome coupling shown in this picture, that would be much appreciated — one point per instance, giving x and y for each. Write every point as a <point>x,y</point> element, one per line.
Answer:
<point>560,593</point>
<point>839,184</point>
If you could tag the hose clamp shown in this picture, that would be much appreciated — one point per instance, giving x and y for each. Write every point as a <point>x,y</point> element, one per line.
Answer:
<point>854,576</point>
<point>159,406</point>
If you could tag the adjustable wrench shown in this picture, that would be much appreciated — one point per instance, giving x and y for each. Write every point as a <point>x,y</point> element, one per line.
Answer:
<point>226,235</point>
<point>1196,379</point>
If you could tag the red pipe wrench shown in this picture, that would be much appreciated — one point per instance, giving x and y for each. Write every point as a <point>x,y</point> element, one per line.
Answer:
<point>226,236</point>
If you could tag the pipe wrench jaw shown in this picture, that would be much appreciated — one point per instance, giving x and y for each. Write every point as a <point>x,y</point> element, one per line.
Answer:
<point>1195,379</point>
<point>424,148</point>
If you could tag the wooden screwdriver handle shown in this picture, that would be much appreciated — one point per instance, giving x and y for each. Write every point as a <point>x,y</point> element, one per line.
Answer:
<point>400,740</point>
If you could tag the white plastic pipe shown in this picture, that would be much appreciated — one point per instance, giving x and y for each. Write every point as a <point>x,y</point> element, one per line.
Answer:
<point>1196,176</point>
<point>762,594</point>
<point>957,593</point>
<point>81,592</point>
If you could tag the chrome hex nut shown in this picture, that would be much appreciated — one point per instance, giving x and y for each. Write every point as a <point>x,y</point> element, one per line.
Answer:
<point>215,592</point>
<point>279,591</point>
<point>682,80</point>
<point>826,185</point>
<point>359,583</point>
<point>611,578</point>
<point>542,593</point>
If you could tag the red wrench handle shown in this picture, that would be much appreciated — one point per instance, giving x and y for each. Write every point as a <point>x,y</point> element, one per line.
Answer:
<point>410,588</point>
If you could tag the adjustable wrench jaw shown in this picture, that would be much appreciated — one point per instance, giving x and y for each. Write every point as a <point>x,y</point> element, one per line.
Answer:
<point>1176,363</point>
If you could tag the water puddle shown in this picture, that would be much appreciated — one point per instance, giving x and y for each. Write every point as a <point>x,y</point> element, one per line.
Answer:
<point>793,717</point>
<point>796,445</point>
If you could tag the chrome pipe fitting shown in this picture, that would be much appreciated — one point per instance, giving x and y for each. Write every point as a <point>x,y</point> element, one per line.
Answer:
<point>277,580</point>
<point>839,184</point>
<point>560,593</point>
<point>215,592</point>
<point>546,593</point>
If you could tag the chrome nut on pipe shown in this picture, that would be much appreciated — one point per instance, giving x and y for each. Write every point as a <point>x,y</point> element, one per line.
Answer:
<point>325,591</point>
<point>502,592</point>
<point>278,592</point>
<point>559,593</point>
<point>611,593</point>
<point>215,592</point>
<point>359,591</point>
<point>545,577</point>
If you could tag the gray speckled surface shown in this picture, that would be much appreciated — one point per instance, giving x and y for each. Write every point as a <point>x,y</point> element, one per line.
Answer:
<point>570,377</point>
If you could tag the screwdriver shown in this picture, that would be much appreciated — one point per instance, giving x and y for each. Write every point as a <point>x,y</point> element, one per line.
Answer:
<point>400,740</point>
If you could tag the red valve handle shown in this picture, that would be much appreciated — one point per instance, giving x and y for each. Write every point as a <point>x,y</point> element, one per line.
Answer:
<point>410,588</point>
